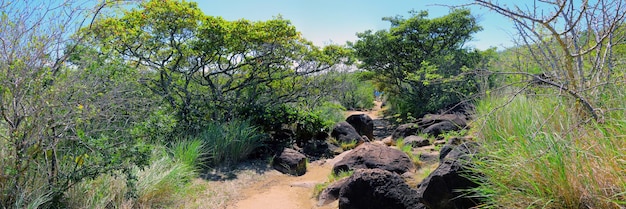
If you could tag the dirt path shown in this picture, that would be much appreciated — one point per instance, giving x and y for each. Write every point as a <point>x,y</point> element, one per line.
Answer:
<point>279,191</point>
<point>374,113</point>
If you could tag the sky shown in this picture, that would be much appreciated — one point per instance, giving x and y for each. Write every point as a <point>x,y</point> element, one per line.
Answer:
<point>336,21</point>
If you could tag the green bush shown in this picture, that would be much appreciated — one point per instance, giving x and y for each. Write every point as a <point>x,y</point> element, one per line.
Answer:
<point>230,142</point>
<point>536,154</point>
<point>305,122</point>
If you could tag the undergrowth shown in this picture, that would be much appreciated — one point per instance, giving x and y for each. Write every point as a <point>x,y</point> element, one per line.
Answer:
<point>537,154</point>
<point>162,184</point>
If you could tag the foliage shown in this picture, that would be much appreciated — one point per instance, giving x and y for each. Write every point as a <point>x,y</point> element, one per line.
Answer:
<point>572,48</point>
<point>535,154</point>
<point>63,119</point>
<point>421,63</point>
<point>206,68</point>
<point>305,123</point>
<point>352,90</point>
<point>229,142</point>
<point>162,184</point>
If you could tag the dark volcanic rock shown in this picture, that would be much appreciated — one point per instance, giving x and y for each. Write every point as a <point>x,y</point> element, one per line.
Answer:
<point>363,125</point>
<point>457,119</point>
<point>405,130</point>
<point>377,189</point>
<point>416,141</point>
<point>446,187</point>
<point>290,162</point>
<point>344,132</point>
<point>440,128</point>
<point>331,193</point>
<point>452,143</point>
<point>372,155</point>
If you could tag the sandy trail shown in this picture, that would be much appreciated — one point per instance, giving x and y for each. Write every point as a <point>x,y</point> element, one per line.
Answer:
<point>280,191</point>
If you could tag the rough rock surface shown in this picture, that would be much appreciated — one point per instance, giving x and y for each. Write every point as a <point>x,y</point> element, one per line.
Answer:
<point>457,119</point>
<point>405,130</point>
<point>446,186</point>
<point>440,128</point>
<point>377,189</point>
<point>344,132</point>
<point>331,192</point>
<point>291,162</point>
<point>363,124</point>
<point>373,155</point>
<point>416,141</point>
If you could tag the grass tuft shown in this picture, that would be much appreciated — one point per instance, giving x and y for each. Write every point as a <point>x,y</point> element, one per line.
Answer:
<point>331,179</point>
<point>230,142</point>
<point>535,154</point>
<point>408,149</point>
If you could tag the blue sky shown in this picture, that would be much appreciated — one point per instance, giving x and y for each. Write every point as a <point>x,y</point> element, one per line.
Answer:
<point>337,21</point>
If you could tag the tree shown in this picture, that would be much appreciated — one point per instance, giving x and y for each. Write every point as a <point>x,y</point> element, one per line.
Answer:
<point>571,42</point>
<point>206,68</point>
<point>59,122</point>
<point>420,61</point>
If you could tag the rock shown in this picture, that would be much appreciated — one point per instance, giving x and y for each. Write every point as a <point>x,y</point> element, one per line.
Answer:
<point>440,128</point>
<point>416,141</point>
<point>371,155</point>
<point>290,162</point>
<point>388,141</point>
<point>319,149</point>
<point>331,192</point>
<point>377,189</point>
<point>452,143</point>
<point>457,119</point>
<point>446,186</point>
<point>445,150</point>
<point>363,125</point>
<point>382,128</point>
<point>344,132</point>
<point>405,130</point>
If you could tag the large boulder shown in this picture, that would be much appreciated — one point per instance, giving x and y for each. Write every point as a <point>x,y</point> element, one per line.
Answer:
<point>344,132</point>
<point>363,124</point>
<point>447,186</point>
<point>290,161</point>
<point>377,189</point>
<point>373,155</point>
<point>405,130</point>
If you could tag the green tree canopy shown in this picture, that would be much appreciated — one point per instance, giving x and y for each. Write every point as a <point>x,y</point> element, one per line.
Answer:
<point>421,61</point>
<point>208,68</point>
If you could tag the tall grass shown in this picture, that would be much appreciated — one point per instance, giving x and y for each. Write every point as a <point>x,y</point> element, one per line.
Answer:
<point>230,142</point>
<point>162,184</point>
<point>537,154</point>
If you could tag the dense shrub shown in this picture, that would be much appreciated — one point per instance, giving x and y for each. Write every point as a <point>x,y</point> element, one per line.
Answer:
<point>304,122</point>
